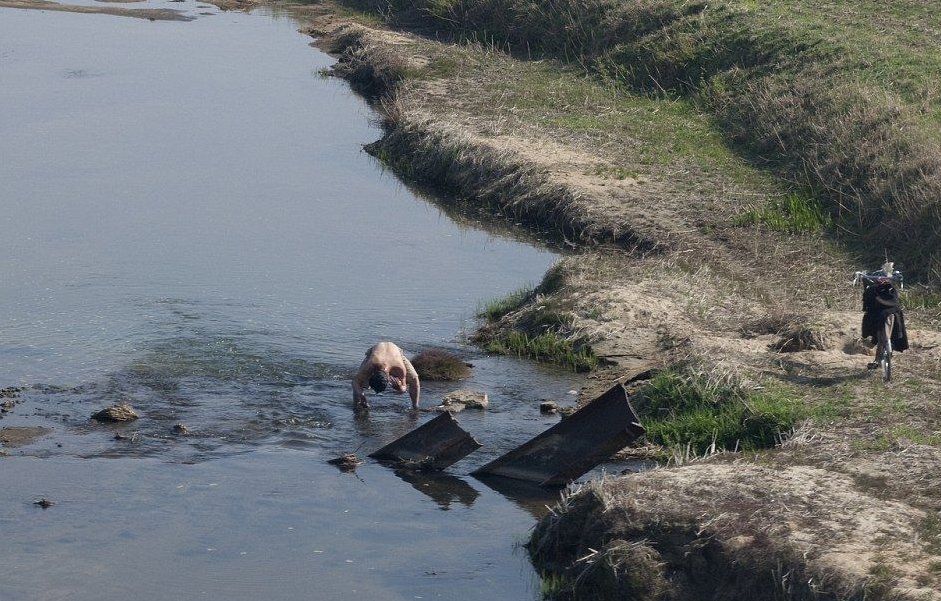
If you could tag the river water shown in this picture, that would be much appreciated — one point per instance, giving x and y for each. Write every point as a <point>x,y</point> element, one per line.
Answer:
<point>190,225</point>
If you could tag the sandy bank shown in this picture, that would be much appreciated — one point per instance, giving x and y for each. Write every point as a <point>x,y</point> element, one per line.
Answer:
<point>152,14</point>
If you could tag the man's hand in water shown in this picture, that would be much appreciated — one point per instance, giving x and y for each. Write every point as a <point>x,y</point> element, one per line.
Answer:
<point>398,382</point>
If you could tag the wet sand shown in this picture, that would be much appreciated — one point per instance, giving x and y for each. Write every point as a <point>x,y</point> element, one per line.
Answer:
<point>152,14</point>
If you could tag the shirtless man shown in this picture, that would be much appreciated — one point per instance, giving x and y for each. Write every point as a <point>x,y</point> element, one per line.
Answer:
<point>385,363</point>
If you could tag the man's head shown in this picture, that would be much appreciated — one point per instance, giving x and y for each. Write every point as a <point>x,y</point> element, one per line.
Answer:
<point>379,380</point>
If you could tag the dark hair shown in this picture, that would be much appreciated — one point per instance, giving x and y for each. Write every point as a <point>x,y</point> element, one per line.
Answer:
<point>379,380</point>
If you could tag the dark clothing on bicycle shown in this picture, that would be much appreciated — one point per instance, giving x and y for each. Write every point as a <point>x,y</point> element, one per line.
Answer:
<point>879,302</point>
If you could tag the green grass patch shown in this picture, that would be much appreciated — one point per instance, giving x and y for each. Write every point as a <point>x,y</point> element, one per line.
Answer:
<point>882,577</point>
<point>924,300</point>
<point>915,435</point>
<point>930,531</point>
<point>793,214</point>
<point>551,585</point>
<point>681,409</point>
<point>496,308</point>
<point>896,436</point>
<point>548,347</point>
<point>617,172</point>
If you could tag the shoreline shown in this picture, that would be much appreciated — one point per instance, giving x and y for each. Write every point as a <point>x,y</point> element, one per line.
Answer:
<point>656,282</point>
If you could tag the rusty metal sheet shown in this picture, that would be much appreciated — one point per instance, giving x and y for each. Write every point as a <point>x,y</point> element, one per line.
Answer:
<point>573,446</point>
<point>433,445</point>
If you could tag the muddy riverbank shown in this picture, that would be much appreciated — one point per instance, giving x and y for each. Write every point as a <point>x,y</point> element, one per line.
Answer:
<point>667,274</point>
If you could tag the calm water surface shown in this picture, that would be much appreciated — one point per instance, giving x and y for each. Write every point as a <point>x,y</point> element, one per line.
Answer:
<point>190,225</point>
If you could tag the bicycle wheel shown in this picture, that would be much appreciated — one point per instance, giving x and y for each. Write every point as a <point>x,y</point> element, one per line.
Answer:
<point>886,361</point>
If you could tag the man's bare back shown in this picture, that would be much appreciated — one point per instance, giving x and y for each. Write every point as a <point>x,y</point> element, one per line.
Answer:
<point>388,359</point>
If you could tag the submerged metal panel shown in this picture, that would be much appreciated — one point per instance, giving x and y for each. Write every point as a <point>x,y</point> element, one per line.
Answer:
<point>573,446</point>
<point>433,445</point>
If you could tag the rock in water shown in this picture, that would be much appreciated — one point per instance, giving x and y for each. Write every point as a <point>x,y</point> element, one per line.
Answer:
<point>346,462</point>
<point>472,399</point>
<point>116,413</point>
<point>548,407</point>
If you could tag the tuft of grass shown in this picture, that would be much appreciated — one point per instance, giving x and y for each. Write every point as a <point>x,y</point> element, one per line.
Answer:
<point>923,300</point>
<point>440,365</point>
<point>553,280</point>
<point>551,585</point>
<point>496,308</point>
<point>617,172</point>
<point>881,579</point>
<point>793,214</point>
<point>930,530</point>
<point>915,435</point>
<point>547,347</point>
<point>683,409</point>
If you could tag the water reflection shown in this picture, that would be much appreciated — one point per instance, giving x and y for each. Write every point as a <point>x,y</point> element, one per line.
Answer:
<point>442,488</point>
<point>530,497</point>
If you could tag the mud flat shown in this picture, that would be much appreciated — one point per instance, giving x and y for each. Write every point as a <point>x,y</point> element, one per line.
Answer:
<point>152,14</point>
<point>673,270</point>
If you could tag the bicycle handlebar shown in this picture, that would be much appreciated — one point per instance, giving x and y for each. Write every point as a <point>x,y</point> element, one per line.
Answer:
<point>873,276</point>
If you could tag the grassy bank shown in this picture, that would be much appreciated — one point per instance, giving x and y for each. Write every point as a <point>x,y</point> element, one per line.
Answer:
<point>839,98</point>
<point>718,265</point>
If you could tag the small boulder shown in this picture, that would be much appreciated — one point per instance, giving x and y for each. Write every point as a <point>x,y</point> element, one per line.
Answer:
<point>6,406</point>
<point>116,413</point>
<point>180,429</point>
<point>346,462</point>
<point>471,399</point>
<point>548,407</point>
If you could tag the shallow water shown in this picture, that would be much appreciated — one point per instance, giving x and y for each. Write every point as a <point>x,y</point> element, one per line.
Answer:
<point>190,226</point>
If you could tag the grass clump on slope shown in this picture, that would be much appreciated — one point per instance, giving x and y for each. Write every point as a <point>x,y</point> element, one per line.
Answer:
<point>683,408</point>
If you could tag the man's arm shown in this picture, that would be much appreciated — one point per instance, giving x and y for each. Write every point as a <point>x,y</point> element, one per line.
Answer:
<point>359,380</point>
<point>414,386</point>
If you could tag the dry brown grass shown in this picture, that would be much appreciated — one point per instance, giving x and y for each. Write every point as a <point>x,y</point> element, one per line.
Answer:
<point>734,531</point>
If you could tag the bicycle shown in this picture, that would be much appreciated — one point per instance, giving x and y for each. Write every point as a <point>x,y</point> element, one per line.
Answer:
<point>880,277</point>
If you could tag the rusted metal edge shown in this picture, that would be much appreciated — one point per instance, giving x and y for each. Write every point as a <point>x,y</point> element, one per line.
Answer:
<point>435,444</point>
<point>573,446</point>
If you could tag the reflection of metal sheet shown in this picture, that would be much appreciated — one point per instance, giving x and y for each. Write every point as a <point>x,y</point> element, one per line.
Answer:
<point>434,445</point>
<point>441,487</point>
<point>528,496</point>
<point>573,446</point>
